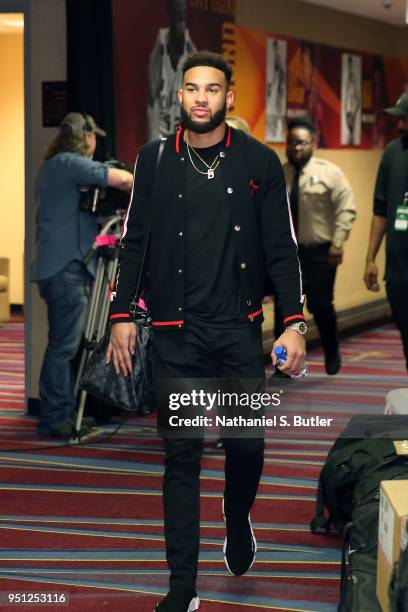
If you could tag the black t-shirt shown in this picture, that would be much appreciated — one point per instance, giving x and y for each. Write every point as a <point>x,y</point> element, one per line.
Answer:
<point>390,188</point>
<point>212,290</point>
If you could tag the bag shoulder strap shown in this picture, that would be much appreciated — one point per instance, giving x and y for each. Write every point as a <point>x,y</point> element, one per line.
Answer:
<point>148,225</point>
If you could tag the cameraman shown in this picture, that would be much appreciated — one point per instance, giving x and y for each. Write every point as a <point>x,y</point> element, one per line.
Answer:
<point>64,234</point>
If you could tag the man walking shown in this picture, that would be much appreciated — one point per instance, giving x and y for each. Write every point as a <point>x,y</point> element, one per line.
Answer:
<point>391,218</point>
<point>323,211</point>
<point>220,222</point>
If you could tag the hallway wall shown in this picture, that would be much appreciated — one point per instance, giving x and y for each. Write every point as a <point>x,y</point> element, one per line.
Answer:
<point>318,24</point>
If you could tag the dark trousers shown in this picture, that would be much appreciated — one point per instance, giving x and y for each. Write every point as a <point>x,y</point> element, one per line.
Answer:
<point>199,352</point>
<point>397,293</point>
<point>318,283</point>
<point>66,295</point>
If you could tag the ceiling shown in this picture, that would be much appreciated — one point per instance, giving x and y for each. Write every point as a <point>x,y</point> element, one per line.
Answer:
<point>396,14</point>
<point>11,23</point>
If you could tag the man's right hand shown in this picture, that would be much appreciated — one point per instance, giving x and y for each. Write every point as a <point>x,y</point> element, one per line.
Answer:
<point>371,276</point>
<point>121,347</point>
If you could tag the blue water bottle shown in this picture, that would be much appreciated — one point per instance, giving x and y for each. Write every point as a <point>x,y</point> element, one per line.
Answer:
<point>281,354</point>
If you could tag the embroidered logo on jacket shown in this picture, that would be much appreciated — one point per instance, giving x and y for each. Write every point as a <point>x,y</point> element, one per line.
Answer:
<point>253,187</point>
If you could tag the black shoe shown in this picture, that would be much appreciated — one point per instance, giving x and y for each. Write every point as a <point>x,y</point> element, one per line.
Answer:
<point>179,599</point>
<point>240,544</point>
<point>218,444</point>
<point>65,430</point>
<point>332,363</point>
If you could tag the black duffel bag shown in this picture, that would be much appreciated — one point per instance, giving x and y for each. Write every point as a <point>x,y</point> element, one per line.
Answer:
<point>367,441</point>
<point>133,392</point>
<point>359,586</point>
<point>360,536</point>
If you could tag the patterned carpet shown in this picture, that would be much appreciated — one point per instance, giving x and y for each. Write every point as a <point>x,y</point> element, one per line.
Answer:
<point>86,521</point>
<point>12,365</point>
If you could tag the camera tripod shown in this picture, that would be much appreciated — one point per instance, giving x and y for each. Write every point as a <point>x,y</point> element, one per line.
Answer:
<point>106,248</point>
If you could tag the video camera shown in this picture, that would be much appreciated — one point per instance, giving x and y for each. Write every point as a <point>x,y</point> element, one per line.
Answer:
<point>105,201</point>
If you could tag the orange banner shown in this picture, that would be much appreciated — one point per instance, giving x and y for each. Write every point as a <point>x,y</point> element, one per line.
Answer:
<point>313,86</point>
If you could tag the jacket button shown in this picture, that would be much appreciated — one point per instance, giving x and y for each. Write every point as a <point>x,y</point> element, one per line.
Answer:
<point>222,153</point>
<point>180,271</point>
<point>180,233</point>
<point>180,195</point>
<point>237,228</point>
<point>243,265</point>
<point>181,158</point>
<point>180,309</point>
<point>179,326</point>
<point>249,302</point>
<point>230,190</point>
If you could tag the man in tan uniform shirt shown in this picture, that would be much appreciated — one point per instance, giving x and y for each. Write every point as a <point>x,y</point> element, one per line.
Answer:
<point>323,211</point>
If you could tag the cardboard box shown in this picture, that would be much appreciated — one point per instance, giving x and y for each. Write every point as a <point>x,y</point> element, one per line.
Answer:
<point>391,530</point>
<point>401,447</point>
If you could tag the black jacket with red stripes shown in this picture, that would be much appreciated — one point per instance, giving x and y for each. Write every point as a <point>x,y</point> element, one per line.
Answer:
<point>260,224</point>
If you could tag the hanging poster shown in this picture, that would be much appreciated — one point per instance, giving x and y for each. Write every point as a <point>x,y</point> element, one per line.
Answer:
<point>351,72</point>
<point>275,77</point>
<point>276,74</point>
<point>317,86</point>
<point>151,41</point>
<point>313,73</point>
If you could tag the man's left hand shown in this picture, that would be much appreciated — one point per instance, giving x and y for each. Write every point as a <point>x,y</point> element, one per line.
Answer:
<point>335,256</point>
<point>295,346</point>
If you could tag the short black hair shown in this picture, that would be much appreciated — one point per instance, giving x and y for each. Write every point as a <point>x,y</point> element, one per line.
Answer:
<point>302,122</point>
<point>208,58</point>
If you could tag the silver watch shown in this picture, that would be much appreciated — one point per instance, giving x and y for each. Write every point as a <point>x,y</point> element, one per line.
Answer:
<point>300,327</point>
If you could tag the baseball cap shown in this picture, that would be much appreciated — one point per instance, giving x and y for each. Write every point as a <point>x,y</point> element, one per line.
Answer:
<point>401,107</point>
<point>82,122</point>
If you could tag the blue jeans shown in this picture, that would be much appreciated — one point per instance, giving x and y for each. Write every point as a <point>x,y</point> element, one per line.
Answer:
<point>66,295</point>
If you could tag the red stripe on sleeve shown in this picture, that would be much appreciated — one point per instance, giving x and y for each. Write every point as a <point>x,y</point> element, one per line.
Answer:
<point>255,314</point>
<point>293,317</point>
<point>159,323</point>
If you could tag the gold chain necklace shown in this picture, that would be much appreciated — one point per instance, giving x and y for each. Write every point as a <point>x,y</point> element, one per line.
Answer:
<point>210,172</point>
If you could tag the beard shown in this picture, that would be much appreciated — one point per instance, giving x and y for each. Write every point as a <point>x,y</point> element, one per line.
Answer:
<point>203,128</point>
<point>301,161</point>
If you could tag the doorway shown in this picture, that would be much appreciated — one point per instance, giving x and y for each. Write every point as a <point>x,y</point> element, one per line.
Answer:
<point>12,210</point>
<point>12,152</point>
